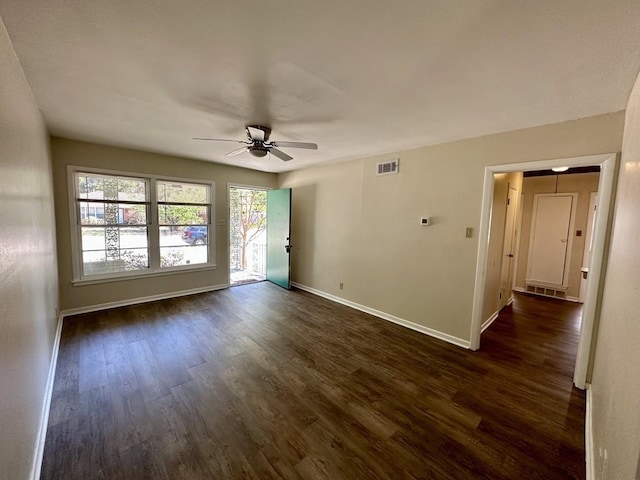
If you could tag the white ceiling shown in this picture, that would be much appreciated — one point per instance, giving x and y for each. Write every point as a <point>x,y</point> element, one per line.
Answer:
<point>357,77</point>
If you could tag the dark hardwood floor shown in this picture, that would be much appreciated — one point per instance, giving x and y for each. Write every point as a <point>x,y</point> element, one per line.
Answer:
<point>256,382</point>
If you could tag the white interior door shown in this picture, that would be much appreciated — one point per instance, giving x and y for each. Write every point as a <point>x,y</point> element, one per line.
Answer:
<point>550,236</point>
<point>506,273</point>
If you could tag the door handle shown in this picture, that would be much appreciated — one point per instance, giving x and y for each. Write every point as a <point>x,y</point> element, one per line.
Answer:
<point>510,255</point>
<point>287,248</point>
<point>563,240</point>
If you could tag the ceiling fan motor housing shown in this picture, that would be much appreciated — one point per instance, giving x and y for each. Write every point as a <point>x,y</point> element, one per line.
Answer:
<point>266,130</point>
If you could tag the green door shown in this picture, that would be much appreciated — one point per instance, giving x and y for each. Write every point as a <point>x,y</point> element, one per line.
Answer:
<point>278,235</point>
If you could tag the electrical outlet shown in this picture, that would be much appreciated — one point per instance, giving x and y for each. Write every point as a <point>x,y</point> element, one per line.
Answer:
<point>341,285</point>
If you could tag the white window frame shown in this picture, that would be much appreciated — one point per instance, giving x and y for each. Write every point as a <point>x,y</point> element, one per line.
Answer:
<point>153,227</point>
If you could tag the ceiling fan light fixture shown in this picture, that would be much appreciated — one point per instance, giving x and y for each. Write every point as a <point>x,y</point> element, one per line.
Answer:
<point>259,145</point>
<point>258,151</point>
<point>560,169</point>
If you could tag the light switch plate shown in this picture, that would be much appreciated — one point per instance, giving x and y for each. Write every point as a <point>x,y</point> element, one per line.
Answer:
<point>469,232</point>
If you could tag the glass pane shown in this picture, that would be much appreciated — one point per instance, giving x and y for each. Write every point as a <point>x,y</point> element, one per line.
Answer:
<point>193,235</point>
<point>110,187</point>
<point>183,255</point>
<point>112,213</point>
<point>114,249</point>
<point>183,215</point>
<point>171,236</point>
<point>182,192</point>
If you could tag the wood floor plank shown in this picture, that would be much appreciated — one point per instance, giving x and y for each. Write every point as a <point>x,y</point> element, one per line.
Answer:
<point>256,382</point>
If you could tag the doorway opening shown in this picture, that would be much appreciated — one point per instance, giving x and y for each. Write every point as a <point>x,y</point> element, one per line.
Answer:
<point>247,234</point>
<point>605,187</point>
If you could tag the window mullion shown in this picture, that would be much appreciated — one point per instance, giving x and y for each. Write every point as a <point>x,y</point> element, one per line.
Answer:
<point>153,226</point>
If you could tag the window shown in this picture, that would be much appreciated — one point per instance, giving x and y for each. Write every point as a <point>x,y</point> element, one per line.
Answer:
<point>124,225</point>
<point>183,216</point>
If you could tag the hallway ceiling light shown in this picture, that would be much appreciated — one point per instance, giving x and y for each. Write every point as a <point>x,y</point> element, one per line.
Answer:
<point>560,169</point>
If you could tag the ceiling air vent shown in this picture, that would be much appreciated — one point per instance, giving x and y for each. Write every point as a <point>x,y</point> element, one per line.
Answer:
<point>388,168</point>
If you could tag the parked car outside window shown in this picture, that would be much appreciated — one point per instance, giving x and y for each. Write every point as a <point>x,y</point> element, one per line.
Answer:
<point>195,235</point>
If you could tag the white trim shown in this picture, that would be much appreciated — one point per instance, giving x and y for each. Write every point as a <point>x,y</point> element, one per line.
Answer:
<point>588,237</point>
<point>386,316</point>
<point>518,236</point>
<point>608,167</point>
<point>46,404</point>
<point>481,261</point>
<point>608,170</point>
<point>590,457</point>
<point>231,185</point>
<point>137,300</point>
<point>160,273</point>
<point>492,319</point>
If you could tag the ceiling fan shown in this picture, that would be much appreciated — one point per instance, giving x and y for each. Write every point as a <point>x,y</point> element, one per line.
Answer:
<point>258,143</point>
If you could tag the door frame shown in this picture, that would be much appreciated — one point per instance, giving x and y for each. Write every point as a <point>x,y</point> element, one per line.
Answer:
<point>608,164</point>
<point>231,185</point>
<point>503,302</point>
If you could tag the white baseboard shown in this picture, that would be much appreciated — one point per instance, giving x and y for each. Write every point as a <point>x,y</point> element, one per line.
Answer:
<point>135,301</point>
<point>489,321</point>
<point>46,405</point>
<point>588,437</point>
<point>386,316</point>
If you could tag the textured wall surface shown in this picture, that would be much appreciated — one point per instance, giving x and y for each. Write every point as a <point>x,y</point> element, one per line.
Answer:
<point>354,227</point>
<point>81,154</point>
<point>616,374</point>
<point>28,271</point>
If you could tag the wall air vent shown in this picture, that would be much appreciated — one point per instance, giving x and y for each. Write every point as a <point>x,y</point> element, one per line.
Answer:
<point>388,168</point>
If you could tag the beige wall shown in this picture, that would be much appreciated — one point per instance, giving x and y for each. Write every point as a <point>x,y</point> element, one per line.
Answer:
<point>353,227</point>
<point>68,152</point>
<point>501,184</point>
<point>582,184</point>
<point>616,374</point>
<point>28,278</point>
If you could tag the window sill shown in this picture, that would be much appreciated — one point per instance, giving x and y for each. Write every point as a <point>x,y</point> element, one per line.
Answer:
<point>139,276</point>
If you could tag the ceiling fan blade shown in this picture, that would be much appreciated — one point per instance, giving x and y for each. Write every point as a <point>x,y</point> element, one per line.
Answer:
<point>308,146</point>
<point>220,140</point>
<point>256,133</point>
<point>280,154</point>
<point>235,152</point>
